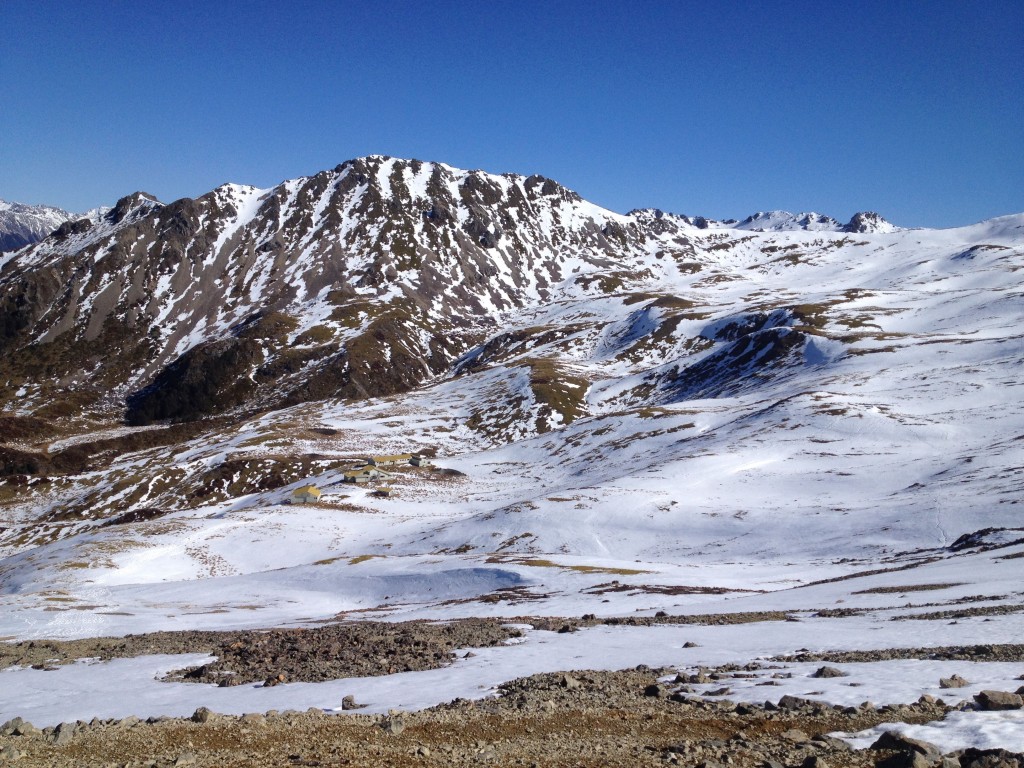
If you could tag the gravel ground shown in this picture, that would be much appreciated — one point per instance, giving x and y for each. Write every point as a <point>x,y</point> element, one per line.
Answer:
<point>1005,652</point>
<point>576,719</point>
<point>355,649</point>
<point>568,719</point>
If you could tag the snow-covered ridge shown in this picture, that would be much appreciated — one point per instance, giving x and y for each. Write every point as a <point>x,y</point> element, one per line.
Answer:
<point>22,225</point>
<point>420,254</point>
<point>784,221</point>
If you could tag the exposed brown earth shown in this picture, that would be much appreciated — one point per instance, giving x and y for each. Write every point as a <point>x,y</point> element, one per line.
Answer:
<point>577,719</point>
<point>358,648</point>
<point>995,652</point>
<point>355,649</point>
<point>567,719</point>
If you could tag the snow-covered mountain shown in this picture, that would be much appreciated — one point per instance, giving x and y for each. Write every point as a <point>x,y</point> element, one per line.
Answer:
<point>629,413</point>
<point>784,221</point>
<point>21,225</point>
<point>524,309</point>
<point>250,297</point>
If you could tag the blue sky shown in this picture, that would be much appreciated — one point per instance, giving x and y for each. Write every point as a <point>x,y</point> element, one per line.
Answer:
<point>913,109</point>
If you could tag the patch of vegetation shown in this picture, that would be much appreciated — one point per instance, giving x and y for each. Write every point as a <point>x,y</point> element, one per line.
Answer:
<point>318,334</point>
<point>137,516</point>
<point>210,378</point>
<point>557,390</point>
<point>536,562</point>
<point>606,282</point>
<point>242,475</point>
<point>506,346</point>
<point>810,317</point>
<point>362,559</point>
<point>896,589</point>
<point>25,428</point>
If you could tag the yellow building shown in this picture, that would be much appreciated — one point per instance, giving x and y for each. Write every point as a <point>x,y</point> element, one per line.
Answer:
<point>306,494</point>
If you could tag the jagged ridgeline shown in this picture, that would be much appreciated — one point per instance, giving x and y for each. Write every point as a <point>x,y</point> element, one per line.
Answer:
<point>361,281</point>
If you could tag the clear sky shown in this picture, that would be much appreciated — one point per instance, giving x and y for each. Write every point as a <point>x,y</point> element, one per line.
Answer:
<point>912,109</point>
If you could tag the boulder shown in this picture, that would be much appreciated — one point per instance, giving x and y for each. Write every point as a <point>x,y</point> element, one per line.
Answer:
<point>569,683</point>
<point>10,753</point>
<point>998,700</point>
<point>62,734</point>
<point>953,682</point>
<point>277,679</point>
<point>349,702</point>
<point>898,742</point>
<point>908,759</point>
<point>393,725</point>
<point>990,758</point>
<point>828,672</point>
<point>794,702</point>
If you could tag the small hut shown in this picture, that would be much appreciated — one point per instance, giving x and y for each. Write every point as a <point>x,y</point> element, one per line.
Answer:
<point>306,494</point>
<point>389,461</point>
<point>365,475</point>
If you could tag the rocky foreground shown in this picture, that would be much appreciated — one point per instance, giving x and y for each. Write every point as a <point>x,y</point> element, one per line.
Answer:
<point>641,716</point>
<point>579,719</point>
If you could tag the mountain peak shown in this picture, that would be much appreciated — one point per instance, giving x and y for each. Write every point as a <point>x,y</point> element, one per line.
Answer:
<point>869,221</point>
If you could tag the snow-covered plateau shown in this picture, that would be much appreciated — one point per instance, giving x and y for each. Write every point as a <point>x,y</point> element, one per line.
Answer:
<point>819,425</point>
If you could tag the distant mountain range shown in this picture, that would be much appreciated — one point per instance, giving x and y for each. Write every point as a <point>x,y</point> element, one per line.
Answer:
<point>22,225</point>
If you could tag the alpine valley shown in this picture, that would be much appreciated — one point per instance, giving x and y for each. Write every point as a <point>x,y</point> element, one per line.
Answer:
<point>683,442</point>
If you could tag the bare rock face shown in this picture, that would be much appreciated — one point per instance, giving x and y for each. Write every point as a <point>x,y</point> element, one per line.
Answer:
<point>868,221</point>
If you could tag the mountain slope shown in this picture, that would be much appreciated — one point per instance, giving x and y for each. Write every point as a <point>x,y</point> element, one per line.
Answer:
<point>697,443</point>
<point>376,253</point>
<point>248,298</point>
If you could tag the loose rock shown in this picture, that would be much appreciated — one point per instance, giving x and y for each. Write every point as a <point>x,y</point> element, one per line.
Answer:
<point>999,700</point>
<point>829,672</point>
